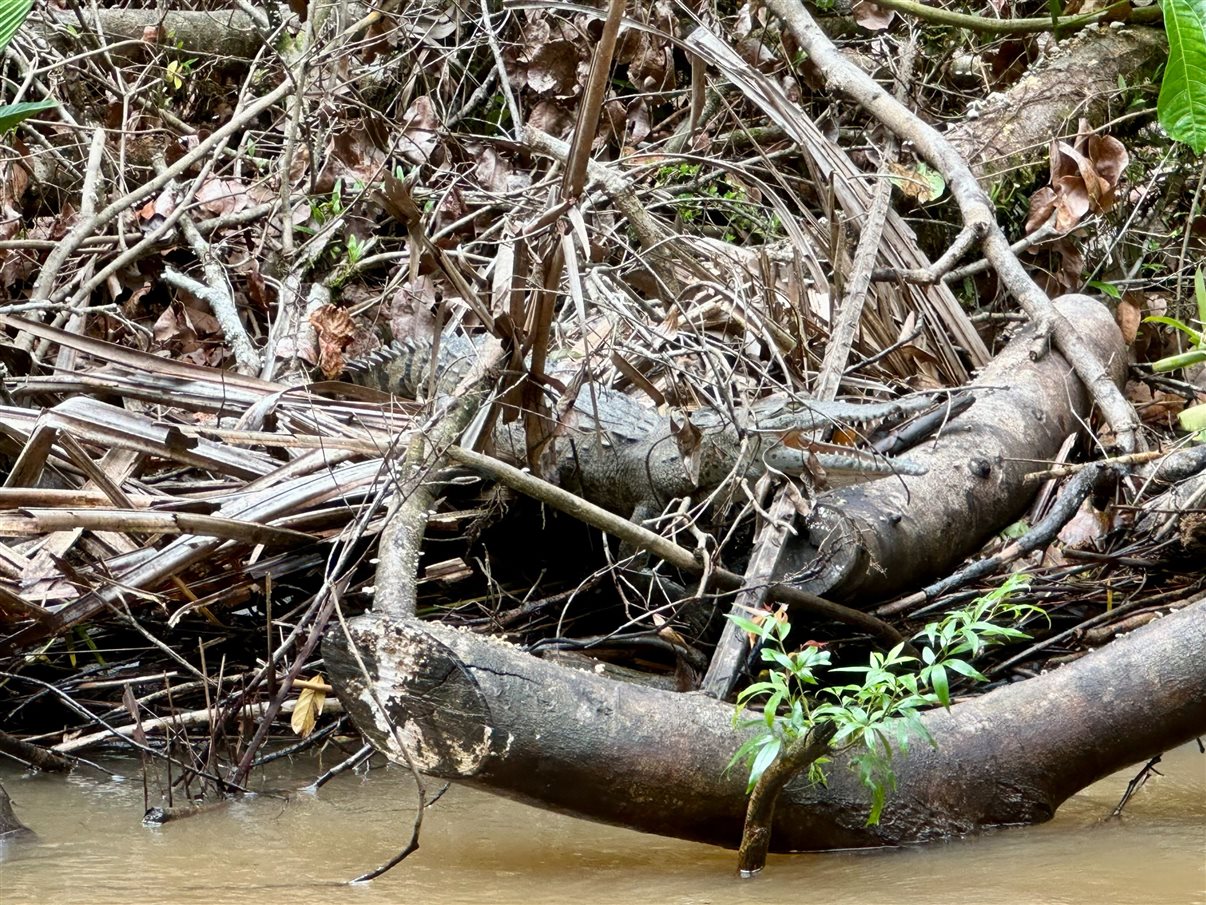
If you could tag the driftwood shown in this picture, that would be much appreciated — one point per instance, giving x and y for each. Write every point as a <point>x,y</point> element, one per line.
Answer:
<point>458,706</point>
<point>886,536</point>
<point>483,712</point>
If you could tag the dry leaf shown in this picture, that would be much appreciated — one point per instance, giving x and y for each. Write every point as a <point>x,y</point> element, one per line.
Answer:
<point>550,116</point>
<point>222,196</point>
<point>872,17</point>
<point>553,69</point>
<point>1128,317</point>
<point>686,437</point>
<point>334,327</point>
<point>309,706</point>
<point>1084,178</point>
<point>919,182</point>
<point>1084,528</point>
<point>419,137</point>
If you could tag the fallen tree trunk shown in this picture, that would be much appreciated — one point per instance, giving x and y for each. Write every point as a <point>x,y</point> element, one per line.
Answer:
<point>886,536</point>
<point>1012,130</point>
<point>481,711</point>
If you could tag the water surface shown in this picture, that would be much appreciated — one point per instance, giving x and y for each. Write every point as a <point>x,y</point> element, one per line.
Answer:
<point>92,849</point>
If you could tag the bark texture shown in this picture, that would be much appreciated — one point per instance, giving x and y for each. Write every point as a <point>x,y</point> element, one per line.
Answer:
<point>227,35</point>
<point>882,537</point>
<point>1078,78</point>
<point>483,712</point>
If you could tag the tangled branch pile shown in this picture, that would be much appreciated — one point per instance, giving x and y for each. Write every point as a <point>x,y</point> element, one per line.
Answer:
<point>230,206</point>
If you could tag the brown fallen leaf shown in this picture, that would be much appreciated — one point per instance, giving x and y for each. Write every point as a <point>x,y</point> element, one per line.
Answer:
<point>872,17</point>
<point>335,329</point>
<point>309,706</point>
<point>1128,316</point>
<point>1084,179</point>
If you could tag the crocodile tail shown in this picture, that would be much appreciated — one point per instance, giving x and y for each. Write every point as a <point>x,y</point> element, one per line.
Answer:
<point>400,368</point>
<point>403,368</point>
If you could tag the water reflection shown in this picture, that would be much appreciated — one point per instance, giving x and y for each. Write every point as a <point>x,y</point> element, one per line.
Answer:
<point>93,849</point>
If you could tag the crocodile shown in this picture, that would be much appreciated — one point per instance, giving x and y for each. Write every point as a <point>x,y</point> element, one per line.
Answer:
<point>622,454</point>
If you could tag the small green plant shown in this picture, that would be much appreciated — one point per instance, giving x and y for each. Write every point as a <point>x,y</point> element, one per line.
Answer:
<point>356,249</point>
<point>878,716</point>
<point>326,211</point>
<point>177,73</point>
<point>1105,288</point>
<point>1197,353</point>
<point>676,173</point>
<point>1192,419</point>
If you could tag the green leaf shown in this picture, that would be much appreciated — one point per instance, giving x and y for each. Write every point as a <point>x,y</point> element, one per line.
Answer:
<point>1176,362</point>
<point>746,625</point>
<point>777,656</point>
<point>1193,419</point>
<point>759,688</point>
<point>1106,288</point>
<point>1182,103</point>
<point>1016,530</point>
<point>12,14</point>
<point>942,686</point>
<point>1194,336</point>
<point>1199,291</point>
<point>966,669</point>
<point>863,669</point>
<point>773,702</point>
<point>935,185</point>
<point>745,750</point>
<point>765,758</point>
<point>12,114</point>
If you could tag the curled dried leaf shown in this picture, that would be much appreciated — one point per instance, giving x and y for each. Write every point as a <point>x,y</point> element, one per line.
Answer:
<point>335,328</point>
<point>1084,178</point>
<point>309,705</point>
<point>871,16</point>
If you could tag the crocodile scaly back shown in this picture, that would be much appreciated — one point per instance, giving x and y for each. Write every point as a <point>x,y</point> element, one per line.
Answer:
<point>403,368</point>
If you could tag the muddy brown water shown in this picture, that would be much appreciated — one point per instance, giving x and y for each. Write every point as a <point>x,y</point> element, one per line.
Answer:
<point>92,849</point>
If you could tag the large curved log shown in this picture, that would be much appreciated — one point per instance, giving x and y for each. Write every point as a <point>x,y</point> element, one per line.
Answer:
<point>876,539</point>
<point>481,711</point>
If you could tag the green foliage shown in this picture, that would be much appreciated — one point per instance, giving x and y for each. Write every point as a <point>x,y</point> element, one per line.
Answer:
<point>719,200</point>
<point>13,114</point>
<point>1193,419</point>
<point>177,73</point>
<point>1016,530</point>
<point>1182,103</point>
<point>12,15</point>
<point>1105,288</point>
<point>356,248</point>
<point>878,715</point>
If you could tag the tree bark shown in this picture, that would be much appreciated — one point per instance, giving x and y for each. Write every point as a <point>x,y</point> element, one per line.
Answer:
<point>1013,129</point>
<point>886,536</point>
<point>485,713</point>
